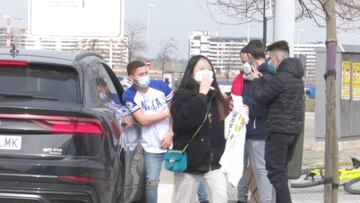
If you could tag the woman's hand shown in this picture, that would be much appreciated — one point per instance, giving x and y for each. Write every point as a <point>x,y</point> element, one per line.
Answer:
<point>205,84</point>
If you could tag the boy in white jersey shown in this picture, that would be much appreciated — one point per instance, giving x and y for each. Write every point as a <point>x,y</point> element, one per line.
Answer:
<point>149,101</point>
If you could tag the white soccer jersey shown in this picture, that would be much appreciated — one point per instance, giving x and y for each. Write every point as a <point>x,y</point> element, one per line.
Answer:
<point>153,102</point>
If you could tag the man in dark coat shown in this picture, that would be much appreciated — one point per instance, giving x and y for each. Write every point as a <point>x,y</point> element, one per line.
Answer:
<point>283,95</point>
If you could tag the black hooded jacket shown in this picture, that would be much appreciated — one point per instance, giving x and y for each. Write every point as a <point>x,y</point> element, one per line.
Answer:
<point>188,110</point>
<point>284,96</point>
<point>256,128</point>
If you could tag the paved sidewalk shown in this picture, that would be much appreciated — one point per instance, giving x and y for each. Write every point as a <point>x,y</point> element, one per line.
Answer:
<point>313,156</point>
<point>303,195</point>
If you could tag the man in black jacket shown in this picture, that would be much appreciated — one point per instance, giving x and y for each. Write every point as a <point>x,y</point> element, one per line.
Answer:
<point>256,130</point>
<point>283,94</point>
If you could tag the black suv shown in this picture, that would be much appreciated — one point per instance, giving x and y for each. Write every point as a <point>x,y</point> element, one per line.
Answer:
<point>59,142</point>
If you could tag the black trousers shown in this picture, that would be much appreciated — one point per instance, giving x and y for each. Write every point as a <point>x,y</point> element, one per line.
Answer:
<point>279,149</point>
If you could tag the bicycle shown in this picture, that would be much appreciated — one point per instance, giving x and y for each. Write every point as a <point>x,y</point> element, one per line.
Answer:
<point>349,178</point>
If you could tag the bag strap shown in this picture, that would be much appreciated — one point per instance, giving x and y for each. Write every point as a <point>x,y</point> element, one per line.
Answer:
<point>199,128</point>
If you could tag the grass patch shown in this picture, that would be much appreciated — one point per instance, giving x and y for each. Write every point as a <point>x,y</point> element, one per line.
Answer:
<point>309,105</point>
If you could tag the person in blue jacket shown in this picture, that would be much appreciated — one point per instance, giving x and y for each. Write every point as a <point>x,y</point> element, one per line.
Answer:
<point>256,130</point>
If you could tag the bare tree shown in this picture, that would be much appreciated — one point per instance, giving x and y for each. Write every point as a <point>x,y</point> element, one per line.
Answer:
<point>167,51</point>
<point>135,43</point>
<point>230,64</point>
<point>331,137</point>
<point>89,45</point>
<point>243,11</point>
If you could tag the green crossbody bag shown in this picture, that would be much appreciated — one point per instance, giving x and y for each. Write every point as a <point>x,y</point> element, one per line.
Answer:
<point>176,160</point>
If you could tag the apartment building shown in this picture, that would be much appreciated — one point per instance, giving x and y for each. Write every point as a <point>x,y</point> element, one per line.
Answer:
<point>307,54</point>
<point>224,53</point>
<point>113,50</point>
<point>10,35</point>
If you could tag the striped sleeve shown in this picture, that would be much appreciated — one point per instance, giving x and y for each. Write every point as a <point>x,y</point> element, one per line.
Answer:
<point>129,96</point>
<point>167,91</point>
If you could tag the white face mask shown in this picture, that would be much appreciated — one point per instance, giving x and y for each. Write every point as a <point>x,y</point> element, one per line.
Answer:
<point>198,76</point>
<point>247,68</point>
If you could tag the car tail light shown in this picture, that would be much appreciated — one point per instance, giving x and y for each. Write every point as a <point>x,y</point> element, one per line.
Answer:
<point>77,127</point>
<point>62,124</point>
<point>79,179</point>
<point>14,63</point>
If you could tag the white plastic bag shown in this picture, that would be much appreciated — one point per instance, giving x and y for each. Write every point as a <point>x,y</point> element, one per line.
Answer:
<point>232,160</point>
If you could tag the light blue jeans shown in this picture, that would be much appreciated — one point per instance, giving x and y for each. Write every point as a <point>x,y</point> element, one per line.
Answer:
<point>153,164</point>
<point>202,191</point>
<point>257,159</point>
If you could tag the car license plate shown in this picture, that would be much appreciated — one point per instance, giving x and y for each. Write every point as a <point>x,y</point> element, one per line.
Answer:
<point>10,142</point>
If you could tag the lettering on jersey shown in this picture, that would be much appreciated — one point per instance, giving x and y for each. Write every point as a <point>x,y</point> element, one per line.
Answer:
<point>153,104</point>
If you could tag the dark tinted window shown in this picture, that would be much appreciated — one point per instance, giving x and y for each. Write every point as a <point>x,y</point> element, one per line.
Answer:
<point>44,81</point>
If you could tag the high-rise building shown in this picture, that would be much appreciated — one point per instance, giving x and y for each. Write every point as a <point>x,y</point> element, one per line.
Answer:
<point>307,54</point>
<point>113,50</point>
<point>224,53</point>
<point>16,35</point>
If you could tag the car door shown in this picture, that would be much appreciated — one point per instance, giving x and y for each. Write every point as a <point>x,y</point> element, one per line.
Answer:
<point>134,183</point>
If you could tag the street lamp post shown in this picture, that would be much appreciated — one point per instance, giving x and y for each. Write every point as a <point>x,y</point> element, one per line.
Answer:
<point>148,25</point>
<point>248,31</point>
<point>284,22</point>
<point>264,23</point>
<point>298,41</point>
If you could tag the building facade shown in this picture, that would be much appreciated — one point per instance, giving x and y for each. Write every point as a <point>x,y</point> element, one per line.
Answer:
<point>307,54</point>
<point>224,53</point>
<point>113,50</point>
<point>15,35</point>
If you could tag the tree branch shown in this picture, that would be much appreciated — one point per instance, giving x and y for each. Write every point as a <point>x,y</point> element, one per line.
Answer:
<point>243,11</point>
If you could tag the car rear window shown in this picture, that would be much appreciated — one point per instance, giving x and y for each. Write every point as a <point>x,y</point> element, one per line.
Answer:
<point>58,83</point>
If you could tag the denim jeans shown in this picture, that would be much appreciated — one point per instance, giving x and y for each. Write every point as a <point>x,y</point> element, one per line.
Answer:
<point>202,191</point>
<point>153,164</point>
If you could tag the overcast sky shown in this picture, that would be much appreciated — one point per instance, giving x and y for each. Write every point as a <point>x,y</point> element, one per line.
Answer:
<point>177,18</point>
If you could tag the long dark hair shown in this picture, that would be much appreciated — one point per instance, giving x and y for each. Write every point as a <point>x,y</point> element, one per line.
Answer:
<point>188,83</point>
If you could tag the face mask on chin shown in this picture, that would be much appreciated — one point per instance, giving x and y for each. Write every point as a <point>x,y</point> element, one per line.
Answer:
<point>143,82</point>
<point>199,75</point>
